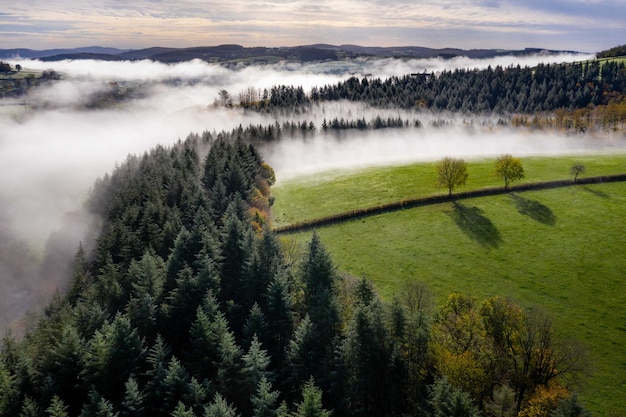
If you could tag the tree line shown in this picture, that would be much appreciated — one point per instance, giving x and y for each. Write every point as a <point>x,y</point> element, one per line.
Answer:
<point>190,305</point>
<point>501,90</point>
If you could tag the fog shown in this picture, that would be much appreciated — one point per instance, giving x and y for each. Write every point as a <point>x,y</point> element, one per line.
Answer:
<point>292,159</point>
<point>52,148</point>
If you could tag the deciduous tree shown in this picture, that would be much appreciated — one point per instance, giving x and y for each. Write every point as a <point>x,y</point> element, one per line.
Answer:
<point>451,173</point>
<point>510,169</point>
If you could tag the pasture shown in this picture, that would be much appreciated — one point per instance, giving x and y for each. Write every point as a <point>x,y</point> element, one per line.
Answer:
<point>560,249</point>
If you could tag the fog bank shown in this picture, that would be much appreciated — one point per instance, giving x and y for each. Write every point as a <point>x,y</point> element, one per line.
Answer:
<point>354,150</point>
<point>53,145</point>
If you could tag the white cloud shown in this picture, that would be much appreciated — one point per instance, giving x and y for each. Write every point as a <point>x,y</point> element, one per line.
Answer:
<point>556,24</point>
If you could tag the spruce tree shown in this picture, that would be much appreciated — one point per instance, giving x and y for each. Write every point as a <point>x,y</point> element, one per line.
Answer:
<point>311,404</point>
<point>264,400</point>
<point>57,408</point>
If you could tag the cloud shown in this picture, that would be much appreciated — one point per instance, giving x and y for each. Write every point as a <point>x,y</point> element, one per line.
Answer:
<point>556,24</point>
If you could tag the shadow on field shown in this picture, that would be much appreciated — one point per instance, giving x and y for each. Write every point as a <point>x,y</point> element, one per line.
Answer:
<point>601,194</point>
<point>475,225</point>
<point>534,209</point>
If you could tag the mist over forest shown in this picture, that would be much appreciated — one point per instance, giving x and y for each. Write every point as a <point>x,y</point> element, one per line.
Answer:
<point>61,136</point>
<point>71,140</point>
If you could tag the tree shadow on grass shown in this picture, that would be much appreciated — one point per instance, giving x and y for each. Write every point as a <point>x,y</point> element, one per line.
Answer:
<point>601,194</point>
<point>475,225</point>
<point>534,209</point>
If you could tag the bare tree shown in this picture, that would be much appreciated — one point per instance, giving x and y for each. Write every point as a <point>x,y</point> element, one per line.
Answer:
<point>577,169</point>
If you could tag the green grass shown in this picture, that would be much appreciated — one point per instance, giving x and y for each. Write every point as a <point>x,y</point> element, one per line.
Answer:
<point>336,192</point>
<point>617,59</point>
<point>562,249</point>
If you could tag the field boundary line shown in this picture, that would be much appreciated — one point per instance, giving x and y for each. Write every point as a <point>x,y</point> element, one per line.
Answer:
<point>437,199</point>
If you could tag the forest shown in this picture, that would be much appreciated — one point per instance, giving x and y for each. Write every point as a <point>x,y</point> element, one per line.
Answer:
<point>190,305</point>
<point>505,91</point>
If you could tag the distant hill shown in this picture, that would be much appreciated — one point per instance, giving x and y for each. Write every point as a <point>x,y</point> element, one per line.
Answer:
<point>613,52</point>
<point>34,54</point>
<point>234,53</point>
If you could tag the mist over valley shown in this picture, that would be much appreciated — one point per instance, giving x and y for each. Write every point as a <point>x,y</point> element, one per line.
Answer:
<point>58,138</point>
<point>86,147</point>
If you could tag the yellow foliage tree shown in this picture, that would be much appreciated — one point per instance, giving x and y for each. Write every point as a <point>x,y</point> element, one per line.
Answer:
<point>544,400</point>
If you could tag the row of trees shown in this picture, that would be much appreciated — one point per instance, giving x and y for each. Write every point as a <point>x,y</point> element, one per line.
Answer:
<point>452,172</point>
<point>189,306</point>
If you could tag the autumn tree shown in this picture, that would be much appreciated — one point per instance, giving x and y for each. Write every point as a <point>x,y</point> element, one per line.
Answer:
<point>460,347</point>
<point>451,173</point>
<point>510,169</point>
<point>527,348</point>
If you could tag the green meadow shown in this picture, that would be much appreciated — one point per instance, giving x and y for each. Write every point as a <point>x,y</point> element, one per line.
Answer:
<point>560,249</point>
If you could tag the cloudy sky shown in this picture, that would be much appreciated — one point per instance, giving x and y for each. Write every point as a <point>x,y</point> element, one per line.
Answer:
<point>581,25</point>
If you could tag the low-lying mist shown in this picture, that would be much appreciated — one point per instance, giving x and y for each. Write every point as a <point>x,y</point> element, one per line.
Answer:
<point>54,144</point>
<point>354,150</point>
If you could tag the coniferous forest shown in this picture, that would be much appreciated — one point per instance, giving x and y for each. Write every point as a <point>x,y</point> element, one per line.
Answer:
<point>502,90</point>
<point>190,305</point>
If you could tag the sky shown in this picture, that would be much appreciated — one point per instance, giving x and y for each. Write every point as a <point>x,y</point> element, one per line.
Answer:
<point>578,25</point>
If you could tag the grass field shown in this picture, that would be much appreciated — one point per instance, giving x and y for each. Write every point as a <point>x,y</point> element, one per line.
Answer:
<point>337,192</point>
<point>562,249</point>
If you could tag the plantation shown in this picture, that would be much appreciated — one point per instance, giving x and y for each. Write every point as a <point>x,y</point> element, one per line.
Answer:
<point>560,249</point>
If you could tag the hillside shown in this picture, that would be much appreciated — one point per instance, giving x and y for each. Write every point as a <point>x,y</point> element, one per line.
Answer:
<point>541,248</point>
<point>190,306</point>
<point>184,302</point>
<point>226,53</point>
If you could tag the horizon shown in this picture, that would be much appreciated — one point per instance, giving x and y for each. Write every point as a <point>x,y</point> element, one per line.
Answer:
<point>484,24</point>
<point>312,45</point>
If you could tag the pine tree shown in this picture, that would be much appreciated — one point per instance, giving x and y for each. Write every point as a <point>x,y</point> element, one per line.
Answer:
<point>63,364</point>
<point>182,411</point>
<point>98,406</point>
<point>279,318</point>
<point>366,356</point>
<point>115,352</point>
<point>57,408</point>
<point>8,389</point>
<point>320,304</point>
<point>133,403</point>
<point>175,385</point>
<point>311,405</point>
<point>196,395</point>
<point>264,400</point>
<point>147,277</point>
<point>158,359</point>
<point>30,408</point>
<point>81,278</point>
<point>229,368</point>
<point>236,254</point>
<point>255,369</point>
<point>267,262</point>
<point>255,327</point>
<point>206,335</point>
<point>300,355</point>
<point>447,401</point>
<point>180,306</point>
<point>219,408</point>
